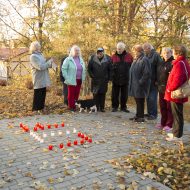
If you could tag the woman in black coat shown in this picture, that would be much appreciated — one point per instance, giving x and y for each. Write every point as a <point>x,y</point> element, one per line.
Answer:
<point>99,69</point>
<point>139,82</point>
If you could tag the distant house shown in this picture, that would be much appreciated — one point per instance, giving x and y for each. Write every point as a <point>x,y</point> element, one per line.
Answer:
<point>14,61</point>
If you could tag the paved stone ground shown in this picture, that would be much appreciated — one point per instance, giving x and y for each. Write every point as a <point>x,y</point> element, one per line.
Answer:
<point>26,164</point>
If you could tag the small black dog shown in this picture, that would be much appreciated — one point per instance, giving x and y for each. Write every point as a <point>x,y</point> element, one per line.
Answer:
<point>86,105</point>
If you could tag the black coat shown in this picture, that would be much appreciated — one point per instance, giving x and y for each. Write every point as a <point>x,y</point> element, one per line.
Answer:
<point>163,70</point>
<point>100,72</point>
<point>140,77</point>
<point>62,79</point>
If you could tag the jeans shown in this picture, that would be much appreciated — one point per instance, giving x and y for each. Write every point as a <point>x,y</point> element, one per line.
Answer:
<point>152,101</point>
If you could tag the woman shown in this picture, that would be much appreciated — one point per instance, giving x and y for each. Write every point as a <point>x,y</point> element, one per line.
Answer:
<point>176,79</point>
<point>40,75</point>
<point>99,69</point>
<point>163,70</point>
<point>139,83</point>
<point>73,70</point>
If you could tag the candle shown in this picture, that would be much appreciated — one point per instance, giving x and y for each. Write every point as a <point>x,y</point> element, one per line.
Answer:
<point>42,127</point>
<point>21,125</point>
<point>75,142</point>
<point>74,130</point>
<point>35,128</point>
<point>50,147</point>
<point>61,146</point>
<point>44,135</point>
<point>82,142</point>
<point>67,132</point>
<point>69,143</point>
<point>56,125</point>
<point>63,124</point>
<point>42,141</point>
<point>82,135</point>
<point>60,132</point>
<point>90,140</point>
<point>79,134</point>
<point>49,126</point>
<point>52,134</point>
<point>86,138</point>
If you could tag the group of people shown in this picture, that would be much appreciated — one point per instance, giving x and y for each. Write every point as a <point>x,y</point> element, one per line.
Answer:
<point>142,75</point>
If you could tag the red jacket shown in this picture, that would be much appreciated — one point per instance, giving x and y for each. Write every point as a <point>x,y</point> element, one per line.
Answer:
<point>177,77</point>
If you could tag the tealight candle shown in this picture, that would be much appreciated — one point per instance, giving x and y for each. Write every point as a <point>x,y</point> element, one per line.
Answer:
<point>67,132</point>
<point>52,134</point>
<point>42,141</point>
<point>75,142</point>
<point>74,130</point>
<point>60,132</point>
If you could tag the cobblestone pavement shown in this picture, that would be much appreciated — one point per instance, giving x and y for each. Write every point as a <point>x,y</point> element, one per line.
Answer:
<point>27,164</point>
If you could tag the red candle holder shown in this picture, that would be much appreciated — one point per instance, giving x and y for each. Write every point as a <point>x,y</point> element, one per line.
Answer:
<point>69,144</point>
<point>21,125</point>
<point>82,135</point>
<point>79,134</point>
<point>50,147</point>
<point>61,146</point>
<point>86,138</point>
<point>63,124</point>
<point>75,142</point>
<point>82,142</point>
<point>90,140</point>
<point>56,125</point>
<point>49,126</point>
<point>35,128</point>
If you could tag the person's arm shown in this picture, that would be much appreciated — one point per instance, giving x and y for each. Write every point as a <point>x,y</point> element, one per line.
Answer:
<point>90,67</point>
<point>110,70</point>
<point>64,68</point>
<point>36,63</point>
<point>146,72</point>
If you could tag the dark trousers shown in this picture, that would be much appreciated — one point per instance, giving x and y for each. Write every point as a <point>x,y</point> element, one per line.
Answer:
<point>122,92</point>
<point>152,101</point>
<point>99,100</point>
<point>166,112</point>
<point>178,121</point>
<point>39,99</point>
<point>65,93</point>
<point>140,107</point>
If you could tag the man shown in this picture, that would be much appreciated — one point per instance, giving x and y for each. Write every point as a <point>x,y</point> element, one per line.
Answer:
<point>65,89</point>
<point>154,59</point>
<point>99,69</point>
<point>121,62</point>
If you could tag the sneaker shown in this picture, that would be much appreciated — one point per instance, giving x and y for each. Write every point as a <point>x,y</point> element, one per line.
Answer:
<point>114,110</point>
<point>125,110</point>
<point>139,120</point>
<point>159,126</point>
<point>174,139</point>
<point>167,128</point>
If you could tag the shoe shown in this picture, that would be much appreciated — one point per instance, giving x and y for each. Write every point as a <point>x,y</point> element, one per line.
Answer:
<point>146,115</point>
<point>167,128</point>
<point>139,120</point>
<point>132,118</point>
<point>125,110</point>
<point>114,110</point>
<point>175,139</point>
<point>159,126</point>
<point>151,117</point>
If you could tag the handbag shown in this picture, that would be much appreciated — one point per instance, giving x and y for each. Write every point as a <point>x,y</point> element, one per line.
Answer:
<point>184,90</point>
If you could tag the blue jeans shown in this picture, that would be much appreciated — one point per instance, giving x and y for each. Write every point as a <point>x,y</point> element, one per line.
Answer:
<point>152,101</point>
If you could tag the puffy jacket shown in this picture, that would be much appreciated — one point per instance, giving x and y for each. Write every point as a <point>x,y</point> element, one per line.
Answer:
<point>121,65</point>
<point>177,78</point>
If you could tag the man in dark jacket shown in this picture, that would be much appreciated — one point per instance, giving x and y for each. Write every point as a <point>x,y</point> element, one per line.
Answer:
<point>121,62</point>
<point>154,59</point>
<point>65,90</point>
<point>99,69</point>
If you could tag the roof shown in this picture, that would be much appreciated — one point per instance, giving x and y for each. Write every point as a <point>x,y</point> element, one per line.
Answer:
<point>7,53</point>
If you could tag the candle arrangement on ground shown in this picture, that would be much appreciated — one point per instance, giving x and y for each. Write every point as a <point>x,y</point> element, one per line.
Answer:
<point>51,132</point>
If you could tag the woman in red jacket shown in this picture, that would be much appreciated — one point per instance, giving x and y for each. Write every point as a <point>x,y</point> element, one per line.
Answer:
<point>177,78</point>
